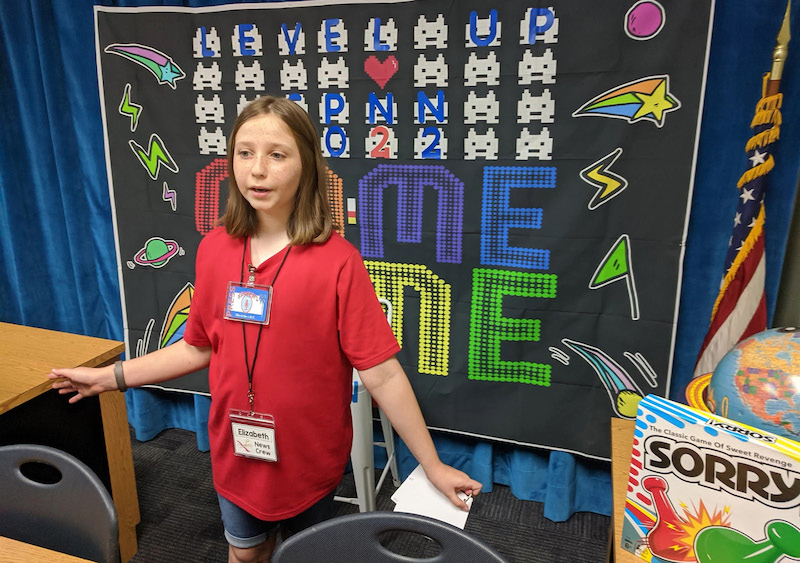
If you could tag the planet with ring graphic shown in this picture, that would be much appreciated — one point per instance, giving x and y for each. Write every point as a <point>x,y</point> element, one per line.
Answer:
<point>156,252</point>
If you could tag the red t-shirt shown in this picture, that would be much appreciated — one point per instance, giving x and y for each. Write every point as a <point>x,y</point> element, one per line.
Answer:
<point>325,320</point>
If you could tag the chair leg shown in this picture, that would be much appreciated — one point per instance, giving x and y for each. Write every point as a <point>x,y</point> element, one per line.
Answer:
<point>388,443</point>
<point>362,455</point>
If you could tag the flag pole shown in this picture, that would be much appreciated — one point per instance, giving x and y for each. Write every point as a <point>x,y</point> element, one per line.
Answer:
<point>779,54</point>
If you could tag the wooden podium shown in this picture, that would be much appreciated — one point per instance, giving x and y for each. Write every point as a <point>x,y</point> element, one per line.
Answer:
<point>95,429</point>
<point>621,444</point>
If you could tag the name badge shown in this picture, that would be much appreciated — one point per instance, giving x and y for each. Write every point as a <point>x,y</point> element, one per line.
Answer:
<point>253,435</point>
<point>248,303</point>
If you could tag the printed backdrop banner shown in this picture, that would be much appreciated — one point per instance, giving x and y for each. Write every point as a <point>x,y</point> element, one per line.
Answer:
<point>516,175</point>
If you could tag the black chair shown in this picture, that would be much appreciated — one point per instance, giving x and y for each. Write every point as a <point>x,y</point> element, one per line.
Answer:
<point>51,499</point>
<point>357,538</point>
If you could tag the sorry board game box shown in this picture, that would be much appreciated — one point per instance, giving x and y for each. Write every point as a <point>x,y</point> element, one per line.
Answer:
<point>703,488</point>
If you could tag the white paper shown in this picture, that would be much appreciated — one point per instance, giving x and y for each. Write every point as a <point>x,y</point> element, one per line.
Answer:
<point>417,495</point>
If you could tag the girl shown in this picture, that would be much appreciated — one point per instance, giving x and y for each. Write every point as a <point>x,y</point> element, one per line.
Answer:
<point>283,310</point>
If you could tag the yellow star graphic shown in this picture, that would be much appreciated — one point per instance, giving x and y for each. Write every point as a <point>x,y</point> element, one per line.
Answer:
<point>656,103</point>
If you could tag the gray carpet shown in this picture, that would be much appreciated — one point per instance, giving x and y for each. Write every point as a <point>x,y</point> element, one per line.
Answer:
<point>181,522</point>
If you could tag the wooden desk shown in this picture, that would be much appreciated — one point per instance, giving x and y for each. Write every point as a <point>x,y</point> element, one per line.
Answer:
<point>13,551</point>
<point>26,357</point>
<point>621,444</point>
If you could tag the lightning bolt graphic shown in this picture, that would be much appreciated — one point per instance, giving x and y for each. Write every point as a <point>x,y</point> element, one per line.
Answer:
<point>170,195</point>
<point>154,157</point>
<point>598,175</point>
<point>128,108</point>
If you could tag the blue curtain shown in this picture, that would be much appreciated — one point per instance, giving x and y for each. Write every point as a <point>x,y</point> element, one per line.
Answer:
<point>57,238</point>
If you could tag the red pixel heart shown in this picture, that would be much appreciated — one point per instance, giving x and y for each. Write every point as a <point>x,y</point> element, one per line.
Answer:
<point>379,71</point>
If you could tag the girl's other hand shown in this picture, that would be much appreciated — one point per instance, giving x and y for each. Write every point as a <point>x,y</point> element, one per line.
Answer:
<point>84,382</point>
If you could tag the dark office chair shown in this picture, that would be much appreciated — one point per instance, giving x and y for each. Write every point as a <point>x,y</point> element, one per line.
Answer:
<point>356,537</point>
<point>51,499</point>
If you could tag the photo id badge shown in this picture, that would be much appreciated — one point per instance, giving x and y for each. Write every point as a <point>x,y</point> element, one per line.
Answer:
<point>248,303</point>
<point>253,435</point>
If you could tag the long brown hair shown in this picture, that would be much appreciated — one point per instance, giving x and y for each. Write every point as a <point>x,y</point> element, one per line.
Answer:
<point>310,219</point>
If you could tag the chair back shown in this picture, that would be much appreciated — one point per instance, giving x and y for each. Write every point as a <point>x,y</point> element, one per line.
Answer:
<point>357,537</point>
<point>51,499</point>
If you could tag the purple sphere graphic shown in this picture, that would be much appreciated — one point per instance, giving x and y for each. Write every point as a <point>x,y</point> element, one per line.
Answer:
<point>644,20</point>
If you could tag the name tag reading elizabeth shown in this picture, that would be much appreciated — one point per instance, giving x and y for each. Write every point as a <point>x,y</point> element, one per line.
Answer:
<point>248,303</point>
<point>253,435</point>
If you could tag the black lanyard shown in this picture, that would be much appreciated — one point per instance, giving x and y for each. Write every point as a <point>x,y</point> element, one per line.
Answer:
<point>251,367</point>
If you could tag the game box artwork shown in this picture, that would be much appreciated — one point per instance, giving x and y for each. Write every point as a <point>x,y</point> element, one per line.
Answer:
<point>703,488</point>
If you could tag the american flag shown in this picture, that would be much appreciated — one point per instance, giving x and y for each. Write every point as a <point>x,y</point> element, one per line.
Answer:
<point>741,307</point>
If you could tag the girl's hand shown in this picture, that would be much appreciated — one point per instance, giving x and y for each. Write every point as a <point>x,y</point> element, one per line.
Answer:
<point>84,382</point>
<point>450,481</point>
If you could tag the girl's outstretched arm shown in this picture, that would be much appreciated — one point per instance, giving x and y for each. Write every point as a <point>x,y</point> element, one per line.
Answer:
<point>389,386</point>
<point>158,366</point>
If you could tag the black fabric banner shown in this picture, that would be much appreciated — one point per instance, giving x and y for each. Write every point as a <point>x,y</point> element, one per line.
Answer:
<point>516,177</point>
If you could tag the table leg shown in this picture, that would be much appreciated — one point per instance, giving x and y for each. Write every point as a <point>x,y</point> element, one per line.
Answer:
<point>120,467</point>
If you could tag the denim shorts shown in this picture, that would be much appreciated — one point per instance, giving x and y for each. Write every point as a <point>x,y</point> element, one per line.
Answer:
<point>243,530</point>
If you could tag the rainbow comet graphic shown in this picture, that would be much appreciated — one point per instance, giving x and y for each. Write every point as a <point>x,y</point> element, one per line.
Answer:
<point>162,66</point>
<point>622,391</point>
<point>177,314</point>
<point>647,98</point>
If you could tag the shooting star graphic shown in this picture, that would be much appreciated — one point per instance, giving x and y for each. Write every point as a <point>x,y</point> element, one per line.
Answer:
<point>616,265</point>
<point>647,98</point>
<point>622,391</point>
<point>170,195</point>
<point>608,183</point>
<point>177,314</point>
<point>152,158</point>
<point>159,64</point>
<point>130,109</point>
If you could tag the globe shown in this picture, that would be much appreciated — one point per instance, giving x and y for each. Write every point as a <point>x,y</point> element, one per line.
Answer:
<point>758,382</point>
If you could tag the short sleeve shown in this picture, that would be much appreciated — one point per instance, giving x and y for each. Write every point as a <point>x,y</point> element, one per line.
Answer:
<point>364,332</point>
<point>195,333</point>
